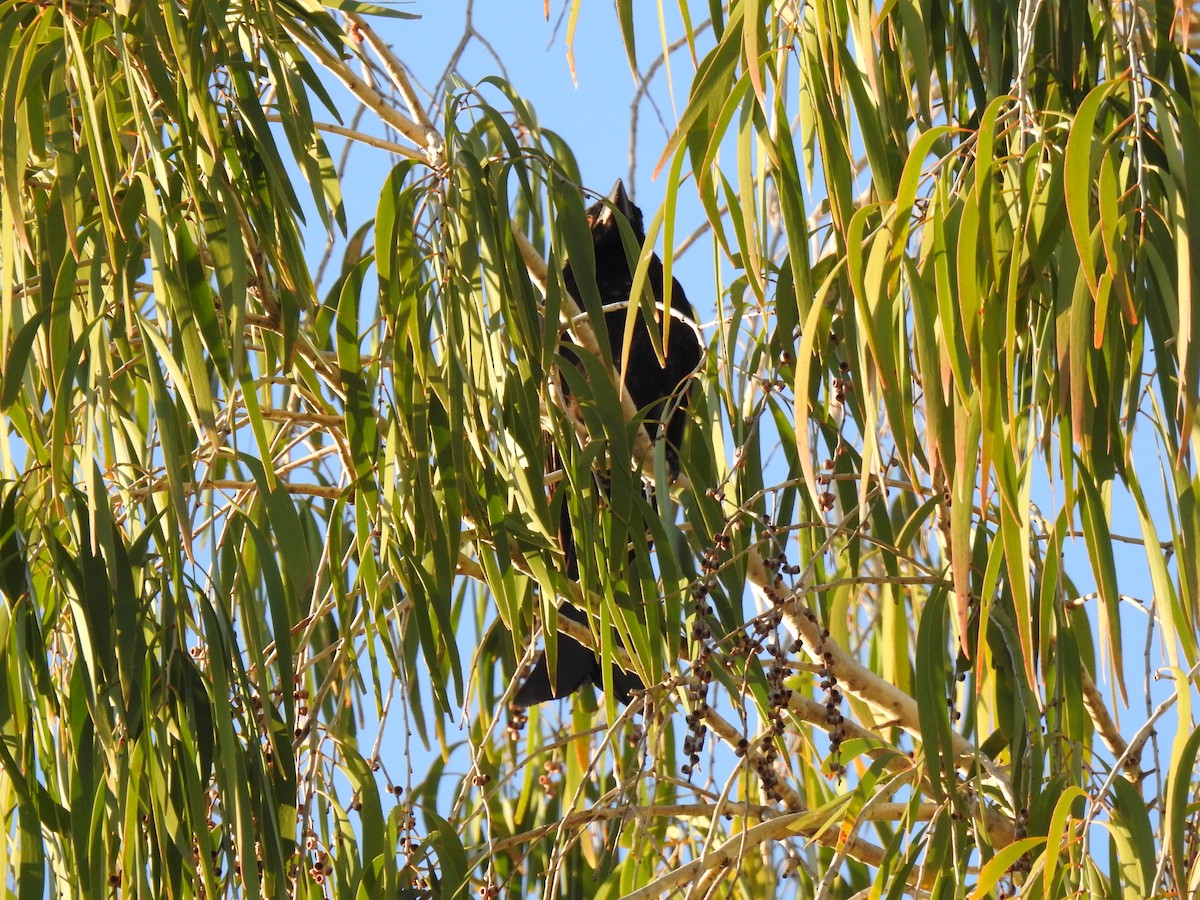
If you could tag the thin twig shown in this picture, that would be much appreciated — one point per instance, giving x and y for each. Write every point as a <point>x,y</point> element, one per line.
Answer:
<point>329,492</point>
<point>363,138</point>
<point>1134,746</point>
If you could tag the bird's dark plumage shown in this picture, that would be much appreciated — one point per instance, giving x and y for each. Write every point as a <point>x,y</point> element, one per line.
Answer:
<point>654,387</point>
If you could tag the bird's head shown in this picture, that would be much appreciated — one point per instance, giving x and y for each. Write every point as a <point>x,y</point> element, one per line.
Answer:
<point>603,222</point>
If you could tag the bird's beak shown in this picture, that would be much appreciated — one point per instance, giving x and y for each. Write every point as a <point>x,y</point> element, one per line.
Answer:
<point>617,198</point>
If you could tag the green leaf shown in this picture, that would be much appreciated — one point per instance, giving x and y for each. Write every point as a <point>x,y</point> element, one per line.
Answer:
<point>931,685</point>
<point>1094,516</point>
<point>1134,840</point>
<point>1077,184</point>
<point>998,865</point>
<point>1059,836</point>
<point>18,357</point>
<point>369,9</point>
<point>1180,794</point>
<point>455,869</point>
<point>628,37</point>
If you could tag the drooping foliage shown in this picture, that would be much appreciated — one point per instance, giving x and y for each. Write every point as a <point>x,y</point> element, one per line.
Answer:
<point>920,613</point>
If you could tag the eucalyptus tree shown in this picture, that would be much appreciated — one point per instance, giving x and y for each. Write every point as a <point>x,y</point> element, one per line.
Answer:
<point>275,549</point>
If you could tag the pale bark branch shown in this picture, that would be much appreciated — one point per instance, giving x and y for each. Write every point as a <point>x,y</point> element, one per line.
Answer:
<point>434,146</point>
<point>1093,702</point>
<point>365,93</point>
<point>329,492</point>
<point>853,678</point>
<point>363,138</point>
<point>784,827</point>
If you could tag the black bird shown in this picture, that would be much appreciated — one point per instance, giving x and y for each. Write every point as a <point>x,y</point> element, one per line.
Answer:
<point>651,386</point>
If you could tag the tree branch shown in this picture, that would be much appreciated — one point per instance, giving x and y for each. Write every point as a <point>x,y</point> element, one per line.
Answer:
<point>853,677</point>
<point>366,94</point>
<point>789,825</point>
